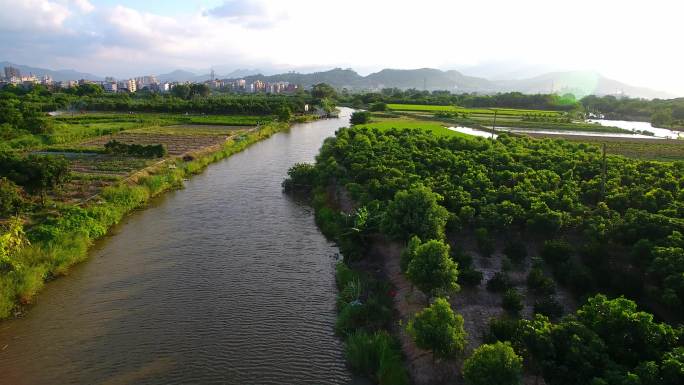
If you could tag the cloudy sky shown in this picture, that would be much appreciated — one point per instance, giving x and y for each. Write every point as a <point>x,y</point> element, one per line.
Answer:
<point>638,42</point>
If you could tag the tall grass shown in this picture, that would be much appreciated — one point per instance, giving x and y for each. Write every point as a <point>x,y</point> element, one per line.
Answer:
<point>63,239</point>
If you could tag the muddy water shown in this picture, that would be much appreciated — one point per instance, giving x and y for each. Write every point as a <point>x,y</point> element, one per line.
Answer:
<point>227,281</point>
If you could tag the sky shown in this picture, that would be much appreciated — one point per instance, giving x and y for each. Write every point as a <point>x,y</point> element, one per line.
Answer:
<point>636,42</point>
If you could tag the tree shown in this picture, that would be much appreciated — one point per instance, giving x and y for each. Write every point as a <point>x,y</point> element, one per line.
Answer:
<point>360,117</point>
<point>45,173</point>
<point>408,253</point>
<point>493,364</point>
<point>11,241</point>
<point>378,106</point>
<point>181,91</point>
<point>284,114</point>
<point>322,91</point>
<point>415,212</point>
<point>432,270</point>
<point>438,329</point>
<point>10,198</point>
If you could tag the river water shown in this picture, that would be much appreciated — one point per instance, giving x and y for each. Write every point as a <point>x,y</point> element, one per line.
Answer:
<point>227,281</point>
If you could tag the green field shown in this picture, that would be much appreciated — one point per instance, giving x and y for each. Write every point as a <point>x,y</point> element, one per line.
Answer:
<point>479,111</point>
<point>436,128</point>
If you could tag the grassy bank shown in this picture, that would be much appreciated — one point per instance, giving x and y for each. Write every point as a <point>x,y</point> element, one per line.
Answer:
<point>64,232</point>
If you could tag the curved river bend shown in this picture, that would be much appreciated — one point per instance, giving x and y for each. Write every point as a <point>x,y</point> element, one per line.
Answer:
<point>227,281</point>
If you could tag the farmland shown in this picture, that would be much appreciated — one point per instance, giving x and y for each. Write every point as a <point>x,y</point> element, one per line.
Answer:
<point>435,127</point>
<point>478,111</point>
<point>505,117</point>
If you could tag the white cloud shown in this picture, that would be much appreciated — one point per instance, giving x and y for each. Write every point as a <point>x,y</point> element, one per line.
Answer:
<point>627,40</point>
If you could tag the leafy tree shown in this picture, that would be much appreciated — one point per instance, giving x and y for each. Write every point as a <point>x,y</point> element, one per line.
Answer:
<point>12,239</point>
<point>378,106</point>
<point>11,199</point>
<point>360,117</point>
<point>323,91</point>
<point>493,364</point>
<point>415,212</point>
<point>438,329</point>
<point>512,301</point>
<point>408,253</point>
<point>432,270</point>
<point>284,114</point>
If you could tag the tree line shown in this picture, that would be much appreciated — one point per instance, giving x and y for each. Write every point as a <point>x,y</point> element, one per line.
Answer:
<point>625,218</point>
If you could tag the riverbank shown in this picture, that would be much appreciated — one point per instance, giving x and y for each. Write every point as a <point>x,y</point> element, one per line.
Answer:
<point>65,236</point>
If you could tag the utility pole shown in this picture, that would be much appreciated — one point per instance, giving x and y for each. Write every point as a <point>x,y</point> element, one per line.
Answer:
<point>424,84</point>
<point>494,124</point>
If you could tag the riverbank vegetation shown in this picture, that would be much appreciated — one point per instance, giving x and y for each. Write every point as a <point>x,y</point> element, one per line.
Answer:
<point>574,222</point>
<point>666,113</point>
<point>66,179</point>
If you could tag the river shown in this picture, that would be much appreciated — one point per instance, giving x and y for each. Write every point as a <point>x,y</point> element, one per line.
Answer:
<point>227,281</point>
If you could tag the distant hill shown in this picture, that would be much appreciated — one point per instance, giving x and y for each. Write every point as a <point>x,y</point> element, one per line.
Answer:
<point>579,83</point>
<point>181,76</point>
<point>57,75</point>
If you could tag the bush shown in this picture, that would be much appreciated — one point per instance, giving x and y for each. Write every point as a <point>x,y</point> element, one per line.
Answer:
<point>438,329</point>
<point>500,282</point>
<point>516,251</point>
<point>512,301</point>
<point>415,211</point>
<point>408,253</point>
<point>470,277</point>
<point>360,117</point>
<point>493,364</point>
<point>432,270</point>
<point>556,251</point>
<point>378,107</point>
<point>484,242</point>
<point>376,355</point>
<point>540,283</point>
<point>145,151</point>
<point>11,200</point>
<point>300,177</point>
<point>549,306</point>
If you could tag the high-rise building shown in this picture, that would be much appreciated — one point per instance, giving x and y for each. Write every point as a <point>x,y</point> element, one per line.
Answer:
<point>12,72</point>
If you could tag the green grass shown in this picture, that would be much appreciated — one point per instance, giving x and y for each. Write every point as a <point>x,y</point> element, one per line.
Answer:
<point>481,111</point>
<point>436,128</point>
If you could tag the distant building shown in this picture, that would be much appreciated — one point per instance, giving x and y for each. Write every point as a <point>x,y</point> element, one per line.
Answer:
<point>12,72</point>
<point>127,86</point>
<point>110,79</point>
<point>109,86</point>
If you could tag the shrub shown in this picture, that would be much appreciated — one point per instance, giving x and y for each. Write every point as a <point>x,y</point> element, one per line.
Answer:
<point>11,200</point>
<point>301,176</point>
<point>512,301</point>
<point>500,282</point>
<point>378,107</point>
<point>549,306</point>
<point>540,283</point>
<point>377,356</point>
<point>408,253</point>
<point>470,277</point>
<point>145,151</point>
<point>360,117</point>
<point>493,364</point>
<point>438,329</point>
<point>556,251</point>
<point>516,251</point>
<point>415,211</point>
<point>484,242</point>
<point>432,270</point>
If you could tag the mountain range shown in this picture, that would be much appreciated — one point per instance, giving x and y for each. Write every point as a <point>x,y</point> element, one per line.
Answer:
<point>580,83</point>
